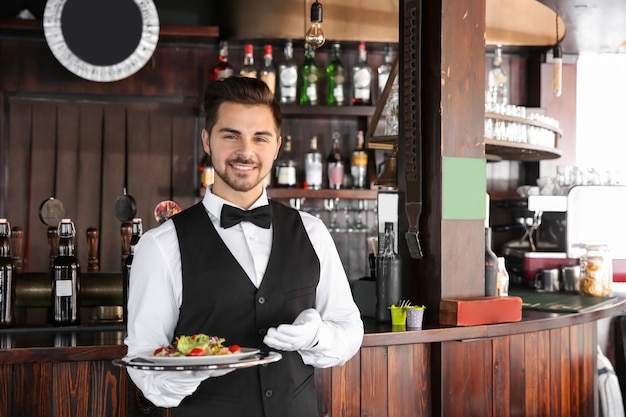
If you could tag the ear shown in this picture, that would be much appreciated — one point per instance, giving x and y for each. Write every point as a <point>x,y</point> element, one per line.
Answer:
<point>279,143</point>
<point>205,142</point>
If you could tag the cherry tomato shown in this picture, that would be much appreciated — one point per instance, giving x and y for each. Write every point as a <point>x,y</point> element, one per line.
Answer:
<point>234,349</point>
<point>196,352</point>
<point>160,350</point>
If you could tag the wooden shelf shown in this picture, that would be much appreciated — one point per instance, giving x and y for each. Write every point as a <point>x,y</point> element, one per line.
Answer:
<point>525,121</point>
<point>347,194</point>
<point>497,150</point>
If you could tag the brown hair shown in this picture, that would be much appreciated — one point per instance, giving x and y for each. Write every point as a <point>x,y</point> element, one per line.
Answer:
<point>241,90</point>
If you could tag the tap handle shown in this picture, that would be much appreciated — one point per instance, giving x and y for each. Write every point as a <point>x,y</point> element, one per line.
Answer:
<point>93,236</point>
<point>127,233</point>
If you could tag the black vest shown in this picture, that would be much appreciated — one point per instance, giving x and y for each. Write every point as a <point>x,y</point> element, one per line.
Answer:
<point>219,299</point>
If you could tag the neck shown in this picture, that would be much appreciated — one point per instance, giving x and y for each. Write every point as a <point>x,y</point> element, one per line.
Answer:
<point>243,199</point>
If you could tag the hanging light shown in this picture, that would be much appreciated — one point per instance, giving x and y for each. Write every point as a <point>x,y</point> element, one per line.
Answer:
<point>315,36</point>
<point>557,54</point>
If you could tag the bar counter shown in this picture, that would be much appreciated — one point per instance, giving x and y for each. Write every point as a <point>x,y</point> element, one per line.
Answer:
<point>542,365</point>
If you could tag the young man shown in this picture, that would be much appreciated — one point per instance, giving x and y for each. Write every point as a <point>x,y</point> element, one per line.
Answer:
<point>275,284</point>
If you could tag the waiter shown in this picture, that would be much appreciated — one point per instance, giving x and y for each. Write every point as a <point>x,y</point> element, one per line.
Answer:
<point>240,266</point>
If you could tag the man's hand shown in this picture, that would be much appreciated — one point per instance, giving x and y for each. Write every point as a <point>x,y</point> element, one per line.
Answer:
<point>302,334</point>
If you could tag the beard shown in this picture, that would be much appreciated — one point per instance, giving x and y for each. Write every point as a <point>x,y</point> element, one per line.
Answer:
<point>241,183</point>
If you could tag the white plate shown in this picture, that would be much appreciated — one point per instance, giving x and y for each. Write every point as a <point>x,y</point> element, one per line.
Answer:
<point>197,360</point>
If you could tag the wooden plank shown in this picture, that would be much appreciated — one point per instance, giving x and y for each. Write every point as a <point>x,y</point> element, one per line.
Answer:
<point>6,394</point>
<point>32,390</point>
<point>70,386</point>
<point>346,388</point>
<point>576,342</point>
<point>501,377</point>
<point>543,373</point>
<point>517,376</point>
<point>409,391</point>
<point>374,382</point>
<point>531,382</point>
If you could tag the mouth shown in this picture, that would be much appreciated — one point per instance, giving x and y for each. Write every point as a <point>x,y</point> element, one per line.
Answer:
<point>242,167</point>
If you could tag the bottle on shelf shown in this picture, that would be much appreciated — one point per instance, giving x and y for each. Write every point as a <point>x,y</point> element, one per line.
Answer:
<point>248,69</point>
<point>206,173</point>
<point>313,167</point>
<point>336,78</point>
<point>335,164</point>
<point>497,84</point>
<point>310,75</point>
<point>137,231</point>
<point>491,266</point>
<point>288,76</point>
<point>388,276</point>
<point>223,68</point>
<point>503,277</point>
<point>384,70</point>
<point>286,168</point>
<point>7,284</point>
<point>362,79</point>
<point>358,167</point>
<point>268,72</point>
<point>65,278</point>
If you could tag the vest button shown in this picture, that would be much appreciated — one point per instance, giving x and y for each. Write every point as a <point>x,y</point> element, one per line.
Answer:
<point>261,300</point>
<point>269,393</point>
<point>262,332</point>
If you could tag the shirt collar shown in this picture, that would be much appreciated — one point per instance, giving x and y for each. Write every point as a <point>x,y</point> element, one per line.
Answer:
<point>213,204</point>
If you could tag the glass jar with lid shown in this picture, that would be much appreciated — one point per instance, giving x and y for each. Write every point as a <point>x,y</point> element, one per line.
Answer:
<point>596,270</point>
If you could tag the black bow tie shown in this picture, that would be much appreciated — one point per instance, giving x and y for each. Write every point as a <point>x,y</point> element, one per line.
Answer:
<point>261,216</point>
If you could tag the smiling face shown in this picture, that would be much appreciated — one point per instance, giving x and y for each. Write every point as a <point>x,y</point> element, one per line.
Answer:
<point>243,145</point>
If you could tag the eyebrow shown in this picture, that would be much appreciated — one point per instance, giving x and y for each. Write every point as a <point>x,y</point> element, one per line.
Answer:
<point>238,132</point>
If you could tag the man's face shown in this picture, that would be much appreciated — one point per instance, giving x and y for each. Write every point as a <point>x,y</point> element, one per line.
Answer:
<point>243,145</point>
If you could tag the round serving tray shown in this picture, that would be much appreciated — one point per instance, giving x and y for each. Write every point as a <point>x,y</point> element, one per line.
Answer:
<point>261,358</point>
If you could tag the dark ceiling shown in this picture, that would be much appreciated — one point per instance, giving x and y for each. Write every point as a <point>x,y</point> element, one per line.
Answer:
<point>593,26</point>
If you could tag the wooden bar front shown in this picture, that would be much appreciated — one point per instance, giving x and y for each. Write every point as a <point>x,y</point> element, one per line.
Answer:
<point>543,365</point>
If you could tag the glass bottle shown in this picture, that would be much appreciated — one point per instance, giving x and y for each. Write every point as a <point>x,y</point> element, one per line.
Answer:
<point>596,270</point>
<point>286,169</point>
<point>491,266</point>
<point>268,72</point>
<point>222,69</point>
<point>358,167</point>
<point>336,77</point>
<point>335,164</point>
<point>362,79</point>
<point>288,76</point>
<point>137,231</point>
<point>248,69</point>
<point>313,167</point>
<point>497,94</point>
<point>206,173</point>
<point>384,70</point>
<point>503,277</point>
<point>388,275</point>
<point>7,285</point>
<point>310,75</point>
<point>65,278</point>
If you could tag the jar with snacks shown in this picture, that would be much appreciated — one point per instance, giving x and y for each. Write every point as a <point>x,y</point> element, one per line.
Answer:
<point>596,271</point>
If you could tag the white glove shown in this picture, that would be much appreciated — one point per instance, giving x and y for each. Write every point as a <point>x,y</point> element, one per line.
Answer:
<point>302,334</point>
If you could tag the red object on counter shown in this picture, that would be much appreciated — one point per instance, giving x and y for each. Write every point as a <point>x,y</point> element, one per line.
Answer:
<point>479,310</point>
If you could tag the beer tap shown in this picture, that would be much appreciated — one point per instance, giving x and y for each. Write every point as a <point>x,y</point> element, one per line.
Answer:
<point>53,243</point>
<point>93,264</point>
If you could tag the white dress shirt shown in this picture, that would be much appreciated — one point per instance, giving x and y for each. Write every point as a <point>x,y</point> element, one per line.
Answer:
<point>155,296</point>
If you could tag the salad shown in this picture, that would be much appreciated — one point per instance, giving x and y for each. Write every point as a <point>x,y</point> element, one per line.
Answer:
<point>197,345</point>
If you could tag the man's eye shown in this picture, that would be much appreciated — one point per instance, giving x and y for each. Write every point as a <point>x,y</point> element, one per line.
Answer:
<point>261,139</point>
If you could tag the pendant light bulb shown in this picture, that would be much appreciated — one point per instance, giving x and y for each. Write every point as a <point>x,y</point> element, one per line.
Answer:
<point>557,82</point>
<point>314,35</point>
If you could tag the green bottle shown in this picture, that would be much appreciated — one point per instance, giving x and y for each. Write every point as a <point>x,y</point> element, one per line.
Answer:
<point>310,76</point>
<point>336,76</point>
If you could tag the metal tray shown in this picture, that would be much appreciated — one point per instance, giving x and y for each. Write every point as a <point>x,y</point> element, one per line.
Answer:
<point>261,358</point>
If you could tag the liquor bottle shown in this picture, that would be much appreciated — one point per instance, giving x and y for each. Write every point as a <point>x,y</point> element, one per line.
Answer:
<point>385,69</point>
<point>248,69</point>
<point>388,273</point>
<point>503,278</point>
<point>65,278</point>
<point>7,285</point>
<point>222,69</point>
<point>336,76</point>
<point>335,165</point>
<point>268,72</point>
<point>491,266</point>
<point>498,84</point>
<point>137,231</point>
<point>358,167</point>
<point>286,169</point>
<point>310,75</point>
<point>313,167</point>
<point>206,173</point>
<point>362,79</point>
<point>288,76</point>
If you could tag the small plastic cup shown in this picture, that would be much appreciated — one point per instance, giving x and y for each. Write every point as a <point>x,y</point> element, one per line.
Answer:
<point>414,317</point>
<point>398,315</point>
